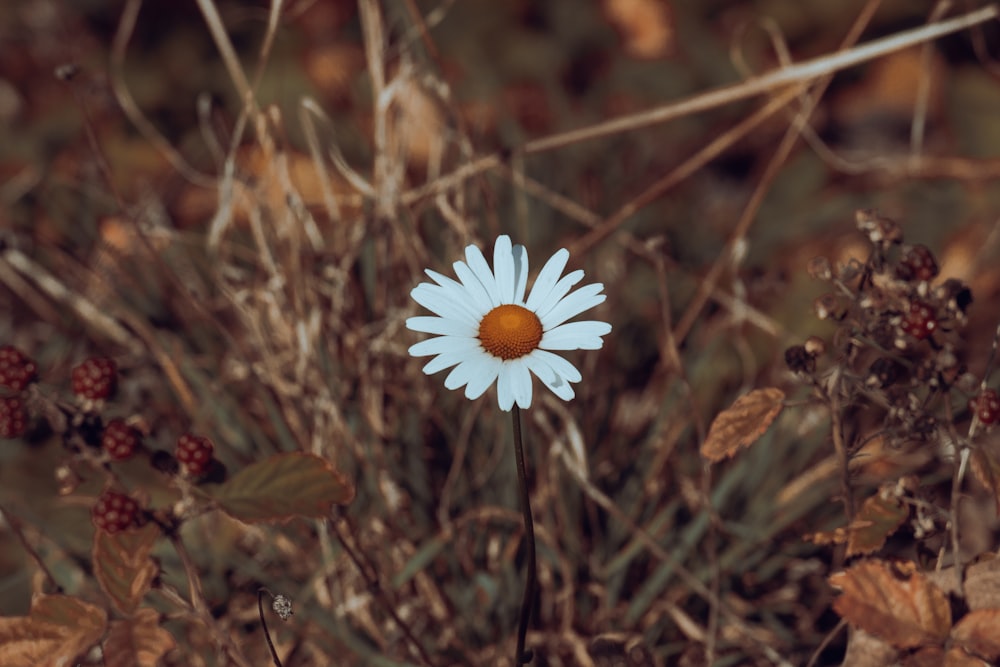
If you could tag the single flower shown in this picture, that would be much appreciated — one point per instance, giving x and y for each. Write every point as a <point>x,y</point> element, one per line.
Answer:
<point>488,332</point>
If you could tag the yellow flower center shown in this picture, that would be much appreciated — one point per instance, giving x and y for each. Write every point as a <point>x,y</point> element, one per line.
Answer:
<point>510,331</point>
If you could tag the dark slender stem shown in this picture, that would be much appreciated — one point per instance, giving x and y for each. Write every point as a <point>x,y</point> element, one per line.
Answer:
<point>523,657</point>
<point>263,622</point>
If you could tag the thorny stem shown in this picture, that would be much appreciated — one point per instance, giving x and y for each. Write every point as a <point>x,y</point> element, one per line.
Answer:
<point>522,657</point>
<point>263,622</point>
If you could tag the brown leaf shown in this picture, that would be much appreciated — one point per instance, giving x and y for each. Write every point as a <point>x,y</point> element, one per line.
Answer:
<point>742,423</point>
<point>284,486</point>
<point>138,641</point>
<point>55,632</point>
<point>878,518</point>
<point>865,650</point>
<point>899,605</point>
<point>985,467</point>
<point>932,656</point>
<point>122,564</point>
<point>982,584</point>
<point>977,633</point>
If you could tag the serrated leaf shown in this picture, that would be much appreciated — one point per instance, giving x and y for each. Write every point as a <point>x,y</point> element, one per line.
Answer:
<point>138,641</point>
<point>878,518</point>
<point>282,487</point>
<point>897,604</point>
<point>122,564</point>
<point>743,423</point>
<point>55,632</point>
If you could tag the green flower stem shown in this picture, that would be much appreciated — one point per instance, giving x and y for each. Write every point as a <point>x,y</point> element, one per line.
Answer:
<point>522,657</point>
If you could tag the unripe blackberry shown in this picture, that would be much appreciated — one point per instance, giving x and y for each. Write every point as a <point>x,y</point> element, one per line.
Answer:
<point>96,378</point>
<point>986,406</point>
<point>114,512</point>
<point>194,452</point>
<point>919,320</point>
<point>17,370</point>
<point>917,263</point>
<point>119,439</point>
<point>13,417</point>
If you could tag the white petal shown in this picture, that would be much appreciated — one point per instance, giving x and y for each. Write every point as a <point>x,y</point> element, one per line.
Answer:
<point>557,383</point>
<point>521,382</point>
<point>503,267</point>
<point>520,273</point>
<point>483,378</point>
<point>463,373</point>
<point>445,303</point>
<point>561,388</point>
<point>560,290</point>
<point>441,326</point>
<point>575,336</point>
<point>583,299</point>
<point>480,297</point>
<point>443,345</point>
<point>505,388</point>
<point>560,366</point>
<point>474,258</point>
<point>547,278</point>
<point>443,361</point>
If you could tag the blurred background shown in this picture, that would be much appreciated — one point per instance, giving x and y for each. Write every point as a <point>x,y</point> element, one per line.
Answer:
<point>248,266</point>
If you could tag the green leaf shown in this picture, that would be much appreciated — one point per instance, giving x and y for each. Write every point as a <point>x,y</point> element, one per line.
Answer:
<point>282,487</point>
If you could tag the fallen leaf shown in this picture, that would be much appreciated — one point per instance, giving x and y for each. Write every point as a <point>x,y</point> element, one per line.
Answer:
<point>742,423</point>
<point>896,603</point>
<point>985,467</point>
<point>282,487</point>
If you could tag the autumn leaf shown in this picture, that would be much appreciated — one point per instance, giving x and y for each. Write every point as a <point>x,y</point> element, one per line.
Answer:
<point>878,518</point>
<point>122,564</point>
<point>138,641</point>
<point>742,423</point>
<point>985,468</point>
<point>284,486</point>
<point>55,632</point>
<point>895,603</point>
<point>977,633</point>
<point>982,584</point>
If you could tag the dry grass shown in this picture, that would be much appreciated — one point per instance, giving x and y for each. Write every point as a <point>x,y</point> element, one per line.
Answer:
<point>256,291</point>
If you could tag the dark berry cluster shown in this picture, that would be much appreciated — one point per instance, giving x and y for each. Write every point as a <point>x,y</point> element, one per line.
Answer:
<point>120,440</point>
<point>17,371</point>
<point>95,379</point>
<point>194,453</point>
<point>114,512</point>
<point>896,350</point>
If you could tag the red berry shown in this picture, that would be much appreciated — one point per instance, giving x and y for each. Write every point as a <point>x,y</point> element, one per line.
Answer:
<point>919,321</point>
<point>17,370</point>
<point>119,439</point>
<point>13,417</point>
<point>96,378</point>
<point>987,406</point>
<point>114,512</point>
<point>194,452</point>
<point>917,263</point>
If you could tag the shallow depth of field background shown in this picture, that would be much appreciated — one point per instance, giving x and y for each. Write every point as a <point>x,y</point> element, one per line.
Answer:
<point>279,326</point>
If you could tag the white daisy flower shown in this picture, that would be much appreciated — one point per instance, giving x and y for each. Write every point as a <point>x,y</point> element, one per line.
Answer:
<point>488,331</point>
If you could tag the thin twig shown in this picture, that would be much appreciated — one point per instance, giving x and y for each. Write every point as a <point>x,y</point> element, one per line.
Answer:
<point>263,623</point>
